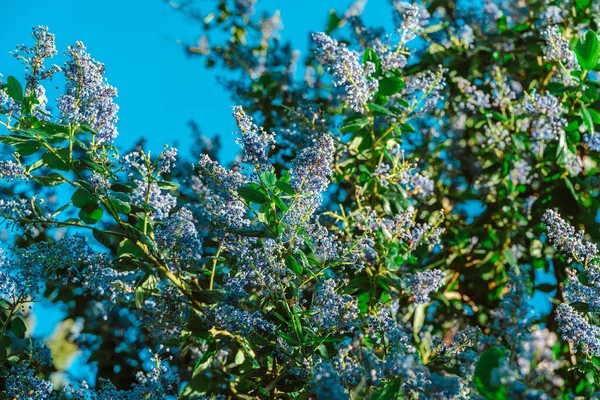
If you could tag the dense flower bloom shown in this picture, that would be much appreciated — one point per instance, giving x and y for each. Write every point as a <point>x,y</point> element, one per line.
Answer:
<point>160,201</point>
<point>313,166</point>
<point>10,170</point>
<point>34,57</point>
<point>576,329</point>
<point>326,383</point>
<point>565,239</point>
<point>22,383</point>
<point>219,189</point>
<point>89,98</point>
<point>177,235</point>
<point>547,116</point>
<point>410,18</point>
<point>575,291</point>
<point>423,283</point>
<point>557,48</point>
<point>347,70</point>
<point>424,91</point>
<point>241,322</point>
<point>333,310</point>
<point>255,142</point>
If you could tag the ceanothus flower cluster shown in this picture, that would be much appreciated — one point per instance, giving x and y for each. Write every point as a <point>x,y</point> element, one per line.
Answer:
<point>557,49</point>
<point>548,122</point>
<point>576,329</point>
<point>565,239</point>
<point>347,70</point>
<point>254,141</point>
<point>423,283</point>
<point>177,235</point>
<point>89,98</point>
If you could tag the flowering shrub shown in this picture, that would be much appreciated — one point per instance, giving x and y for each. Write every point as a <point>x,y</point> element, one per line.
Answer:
<point>381,235</point>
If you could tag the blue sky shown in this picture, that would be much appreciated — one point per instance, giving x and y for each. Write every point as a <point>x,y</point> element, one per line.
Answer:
<point>160,88</point>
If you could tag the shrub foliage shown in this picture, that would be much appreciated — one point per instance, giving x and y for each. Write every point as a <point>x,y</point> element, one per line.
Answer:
<point>412,214</point>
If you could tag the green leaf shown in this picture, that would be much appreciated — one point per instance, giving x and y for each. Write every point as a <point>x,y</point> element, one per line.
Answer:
<point>128,247</point>
<point>167,185</point>
<point>352,125</point>
<point>252,195</point>
<point>90,215</point>
<point>419,318</point>
<point>82,198</point>
<point>333,22</point>
<point>248,232</point>
<point>28,148</point>
<point>390,86</point>
<point>101,237</point>
<point>587,50</point>
<point>18,327</point>
<point>582,5</point>
<point>267,178</point>
<point>285,187</point>
<point>50,180</point>
<point>389,391</point>
<point>209,296</point>
<point>144,290</point>
<point>546,287</point>
<point>587,119</point>
<point>293,265</point>
<point>379,110</point>
<point>371,56</point>
<point>14,89</point>
<point>580,306</point>
<point>280,204</point>
<point>57,161</point>
<point>121,206</point>
<point>482,378</point>
<point>124,187</point>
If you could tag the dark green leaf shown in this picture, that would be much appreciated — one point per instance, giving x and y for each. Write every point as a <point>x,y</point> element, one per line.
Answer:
<point>128,247</point>
<point>248,232</point>
<point>58,161</point>
<point>390,86</point>
<point>144,290</point>
<point>101,237</point>
<point>90,215</point>
<point>482,378</point>
<point>333,22</point>
<point>371,56</point>
<point>28,148</point>
<point>18,327</point>
<point>252,195</point>
<point>50,180</point>
<point>121,206</point>
<point>293,265</point>
<point>82,198</point>
<point>14,89</point>
<point>379,110</point>
<point>167,185</point>
<point>587,50</point>
<point>546,287</point>
<point>285,187</point>
<point>209,296</point>
<point>267,178</point>
<point>125,187</point>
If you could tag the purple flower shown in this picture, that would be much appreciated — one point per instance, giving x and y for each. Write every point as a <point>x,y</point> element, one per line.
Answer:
<point>89,98</point>
<point>347,70</point>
